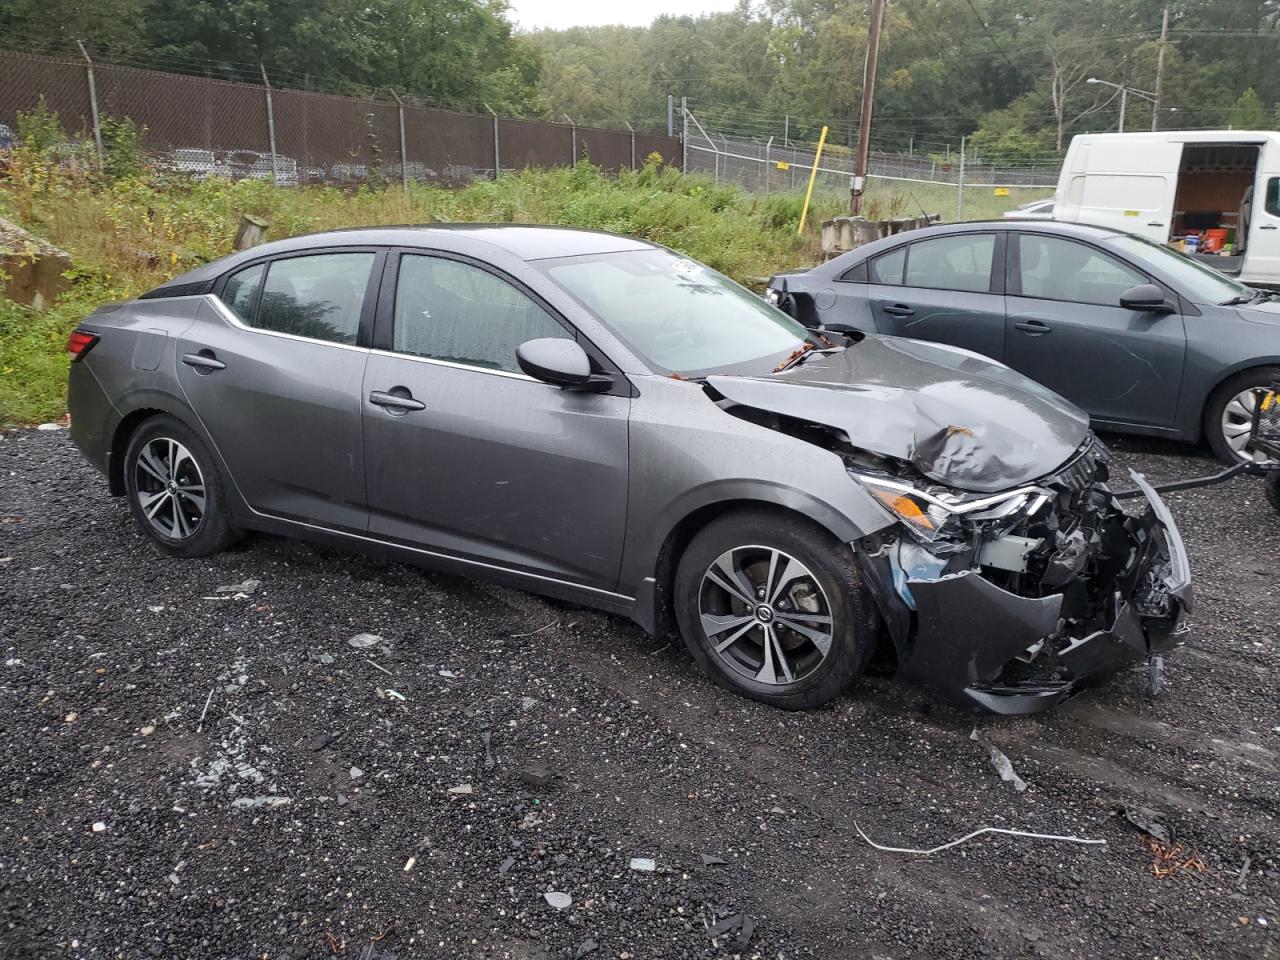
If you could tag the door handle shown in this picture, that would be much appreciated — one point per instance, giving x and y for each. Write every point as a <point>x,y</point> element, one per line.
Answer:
<point>203,361</point>
<point>1034,327</point>
<point>1267,226</point>
<point>900,310</point>
<point>394,402</point>
<point>1153,223</point>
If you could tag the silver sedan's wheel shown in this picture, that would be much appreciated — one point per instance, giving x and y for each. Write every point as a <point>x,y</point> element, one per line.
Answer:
<point>170,488</point>
<point>765,615</point>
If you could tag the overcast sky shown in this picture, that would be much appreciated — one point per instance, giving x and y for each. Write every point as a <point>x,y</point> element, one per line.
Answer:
<point>558,14</point>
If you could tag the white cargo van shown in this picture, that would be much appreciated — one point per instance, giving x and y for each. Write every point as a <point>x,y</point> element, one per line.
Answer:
<point>1166,186</point>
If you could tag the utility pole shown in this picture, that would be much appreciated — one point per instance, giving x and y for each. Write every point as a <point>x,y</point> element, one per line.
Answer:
<point>1164,39</point>
<point>868,100</point>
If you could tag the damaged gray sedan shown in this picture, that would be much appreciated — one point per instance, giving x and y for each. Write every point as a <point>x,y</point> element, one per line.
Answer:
<point>601,420</point>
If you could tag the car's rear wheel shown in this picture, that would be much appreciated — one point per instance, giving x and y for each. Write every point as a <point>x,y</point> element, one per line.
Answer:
<point>1228,417</point>
<point>773,607</point>
<point>175,491</point>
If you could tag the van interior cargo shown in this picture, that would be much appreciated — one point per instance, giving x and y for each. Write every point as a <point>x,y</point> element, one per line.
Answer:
<point>1213,183</point>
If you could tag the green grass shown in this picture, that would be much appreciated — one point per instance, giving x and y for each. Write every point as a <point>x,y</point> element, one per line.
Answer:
<point>127,235</point>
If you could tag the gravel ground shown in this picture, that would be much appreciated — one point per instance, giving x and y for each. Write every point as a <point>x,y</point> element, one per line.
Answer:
<point>369,803</point>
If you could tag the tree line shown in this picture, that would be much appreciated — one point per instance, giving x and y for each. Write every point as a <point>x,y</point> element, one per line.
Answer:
<point>1011,74</point>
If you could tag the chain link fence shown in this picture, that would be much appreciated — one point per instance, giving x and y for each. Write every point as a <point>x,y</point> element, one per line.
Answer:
<point>774,165</point>
<point>203,127</point>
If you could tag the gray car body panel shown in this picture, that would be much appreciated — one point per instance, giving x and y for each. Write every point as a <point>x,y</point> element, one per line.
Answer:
<point>578,495</point>
<point>1131,371</point>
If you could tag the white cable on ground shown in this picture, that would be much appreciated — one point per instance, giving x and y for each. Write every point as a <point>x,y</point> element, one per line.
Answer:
<point>970,836</point>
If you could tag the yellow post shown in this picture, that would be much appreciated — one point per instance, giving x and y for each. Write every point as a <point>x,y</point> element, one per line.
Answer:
<point>813,175</point>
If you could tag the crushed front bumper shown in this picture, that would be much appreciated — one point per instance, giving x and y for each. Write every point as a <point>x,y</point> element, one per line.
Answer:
<point>970,634</point>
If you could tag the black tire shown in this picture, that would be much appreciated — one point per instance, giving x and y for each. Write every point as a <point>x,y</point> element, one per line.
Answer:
<point>829,565</point>
<point>1257,378</point>
<point>1273,490</point>
<point>200,530</point>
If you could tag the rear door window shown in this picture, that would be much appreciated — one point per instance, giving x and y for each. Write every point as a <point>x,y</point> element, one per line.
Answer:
<point>241,291</point>
<point>952,263</point>
<point>320,297</point>
<point>888,267</point>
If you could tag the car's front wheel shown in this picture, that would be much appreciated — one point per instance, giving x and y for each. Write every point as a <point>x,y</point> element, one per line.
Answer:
<point>175,491</point>
<point>773,607</point>
<point>1228,418</point>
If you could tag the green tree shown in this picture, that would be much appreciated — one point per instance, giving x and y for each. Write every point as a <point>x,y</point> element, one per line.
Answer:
<point>1247,113</point>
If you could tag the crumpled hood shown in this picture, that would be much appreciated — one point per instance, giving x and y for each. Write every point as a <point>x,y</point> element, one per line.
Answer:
<point>959,418</point>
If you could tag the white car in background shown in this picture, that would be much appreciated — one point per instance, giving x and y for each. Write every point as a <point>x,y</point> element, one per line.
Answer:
<point>1032,210</point>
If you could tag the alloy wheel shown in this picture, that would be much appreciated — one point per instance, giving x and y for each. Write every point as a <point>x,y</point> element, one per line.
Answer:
<point>170,488</point>
<point>1237,423</point>
<point>765,615</point>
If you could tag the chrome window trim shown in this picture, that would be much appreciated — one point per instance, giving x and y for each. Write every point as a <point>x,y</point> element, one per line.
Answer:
<point>229,315</point>
<point>455,365</point>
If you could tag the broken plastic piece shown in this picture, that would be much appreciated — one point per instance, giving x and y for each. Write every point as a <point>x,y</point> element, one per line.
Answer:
<point>1000,762</point>
<point>363,641</point>
<point>977,833</point>
<point>643,864</point>
<point>560,901</point>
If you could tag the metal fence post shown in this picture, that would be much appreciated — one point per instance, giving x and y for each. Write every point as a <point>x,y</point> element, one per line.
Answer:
<point>960,185</point>
<point>93,102</point>
<point>271,125</point>
<point>767,165</point>
<point>633,143</point>
<point>573,138</point>
<point>404,158</point>
<point>497,157</point>
<point>684,135</point>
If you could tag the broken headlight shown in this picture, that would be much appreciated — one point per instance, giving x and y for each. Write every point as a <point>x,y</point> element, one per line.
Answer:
<point>930,513</point>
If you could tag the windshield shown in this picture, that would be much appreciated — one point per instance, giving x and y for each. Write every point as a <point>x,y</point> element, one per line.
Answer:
<point>1200,282</point>
<point>676,314</point>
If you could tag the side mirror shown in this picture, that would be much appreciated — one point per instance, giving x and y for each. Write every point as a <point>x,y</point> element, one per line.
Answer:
<point>560,362</point>
<point>1145,296</point>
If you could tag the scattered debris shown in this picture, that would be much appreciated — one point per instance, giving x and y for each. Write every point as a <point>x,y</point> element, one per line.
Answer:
<point>240,590</point>
<point>71,717</point>
<point>448,674</point>
<point>737,921</point>
<point>355,773</point>
<point>376,666</point>
<point>364,641</point>
<point>99,827</point>
<point>586,946</point>
<point>1155,675</point>
<point>999,761</point>
<point>643,864</point>
<point>486,737</point>
<point>207,699</point>
<point>528,703</point>
<point>976,833</point>
<point>322,741</point>
<point>1244,871</point>
<point>1149,822</point>
<point>408,864</point>
<point>537,775</point>
<point>1169,859</point>
<point>506,865</point>
<point>561,901</point>
<point>531,633</point>
<point>708,860</point>
<point>254,803</point>
<point>395,695</point>
<point>157,609</point>
<point>778,810</point>
<point>461,790</point>
<point>148,730</point>
<point>49,426</point>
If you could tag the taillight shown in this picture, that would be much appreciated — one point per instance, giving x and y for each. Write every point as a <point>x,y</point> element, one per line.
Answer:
<point>80,343</point>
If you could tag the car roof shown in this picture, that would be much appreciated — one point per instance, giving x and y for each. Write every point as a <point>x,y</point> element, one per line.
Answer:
<point>523,242</point>
<point>1081,231</point>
